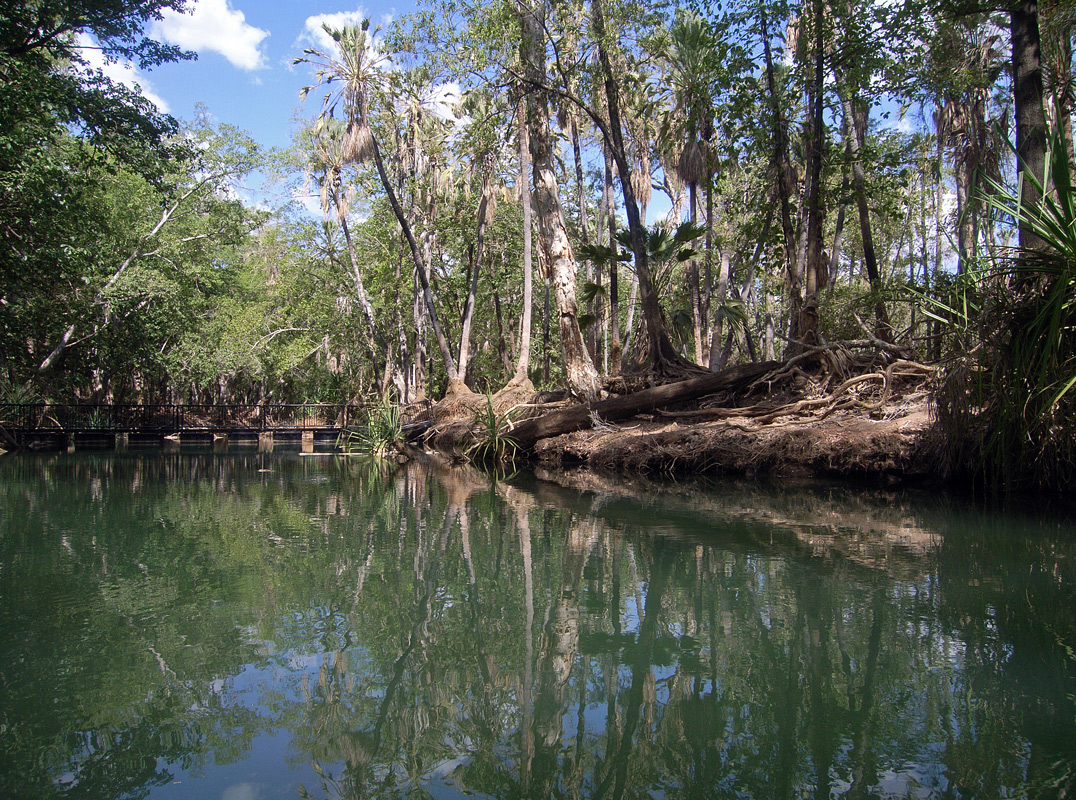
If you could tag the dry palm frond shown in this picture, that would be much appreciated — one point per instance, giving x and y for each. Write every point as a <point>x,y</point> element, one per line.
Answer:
<point>640,179</point>
<point>358,144</point>
<point>490,207</point>
<point>640,185</point>
<point>692,166</point>
<point>562,117</point>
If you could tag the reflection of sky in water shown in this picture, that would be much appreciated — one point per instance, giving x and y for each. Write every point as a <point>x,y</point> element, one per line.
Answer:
<point>325,619</point>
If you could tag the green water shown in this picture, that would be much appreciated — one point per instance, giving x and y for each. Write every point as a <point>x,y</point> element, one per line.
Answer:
<point>255,627</point>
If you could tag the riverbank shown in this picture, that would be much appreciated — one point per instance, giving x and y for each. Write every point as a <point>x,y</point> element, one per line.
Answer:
<point>865,420</point>
<point>890,445</point>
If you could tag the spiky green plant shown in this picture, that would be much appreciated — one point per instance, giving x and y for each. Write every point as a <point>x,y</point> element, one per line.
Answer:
<point>17,393</point>
<point>98,419</point>
<point>493,441</point>
<point>1010,400</point>
<point>382,433</point>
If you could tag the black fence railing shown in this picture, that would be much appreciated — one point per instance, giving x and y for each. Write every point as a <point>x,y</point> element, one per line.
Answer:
<point>218,417</point>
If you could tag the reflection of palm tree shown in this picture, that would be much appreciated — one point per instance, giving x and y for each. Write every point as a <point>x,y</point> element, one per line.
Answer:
<point>556,659</point>
<point>360,748</point>
<point>616,778</point>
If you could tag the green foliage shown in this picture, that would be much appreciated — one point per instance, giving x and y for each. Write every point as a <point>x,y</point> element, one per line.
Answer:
<point>17,393</point>
<point>382,433</point>
<point>493,439</point>
<point>1009,398</point>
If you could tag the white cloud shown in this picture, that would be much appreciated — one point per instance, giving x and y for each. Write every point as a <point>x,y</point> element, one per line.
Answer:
<point>310,203</point>
<point>214,26</point>
<point>443,99</point>
<point>314,33</point>
<point>122,72</point>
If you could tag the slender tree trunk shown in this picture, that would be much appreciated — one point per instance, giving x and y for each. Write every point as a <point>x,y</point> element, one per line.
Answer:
<point>418,313</point>
<point>593,271</point>
<point>546,348</point>
<point>523,364</point>
<point>708,295</point>
<point>855,131</point>
<point>693,281</point>
<point>663,355</point>
<point>1030,119</point>
<point>838,231</point>
<point>614,287</point>
<point>376,343</point>
<point>582,377</point>
<point>786,180</point>
<point>485,214</point>
<point>421,267</point>
<point>629,323</point>
<point>717,361</point>
<point>807,332</point>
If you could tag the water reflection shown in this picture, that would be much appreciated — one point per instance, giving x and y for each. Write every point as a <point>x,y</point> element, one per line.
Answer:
<point>258,626</point>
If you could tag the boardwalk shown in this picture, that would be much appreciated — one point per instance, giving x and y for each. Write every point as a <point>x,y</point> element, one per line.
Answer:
<point>42,426</point>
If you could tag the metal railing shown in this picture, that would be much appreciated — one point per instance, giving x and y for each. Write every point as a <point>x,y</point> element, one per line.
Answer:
<point>126,417</point>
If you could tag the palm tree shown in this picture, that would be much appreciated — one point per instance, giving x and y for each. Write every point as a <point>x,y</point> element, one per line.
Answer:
<point>355,68</point>
<point>663,358</point>
<point>326,168</point>
<point>688,52</point>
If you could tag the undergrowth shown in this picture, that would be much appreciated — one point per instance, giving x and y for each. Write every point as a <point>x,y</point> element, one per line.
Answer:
<point>493,441</point>
<point>1007,407</point>
<point>382,433</point>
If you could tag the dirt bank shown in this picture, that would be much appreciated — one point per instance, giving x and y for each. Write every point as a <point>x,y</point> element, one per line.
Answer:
<point>851,416</point>
<point>890,446</point>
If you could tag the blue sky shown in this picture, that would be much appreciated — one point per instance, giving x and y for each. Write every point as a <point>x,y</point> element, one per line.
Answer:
<point>244,73</point>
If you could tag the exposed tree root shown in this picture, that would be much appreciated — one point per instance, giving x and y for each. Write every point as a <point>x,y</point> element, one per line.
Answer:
<point>834,400</point>
<point>849,408</point>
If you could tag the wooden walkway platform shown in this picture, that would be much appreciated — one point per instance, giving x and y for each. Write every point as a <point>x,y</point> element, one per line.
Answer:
<point>47,426</point>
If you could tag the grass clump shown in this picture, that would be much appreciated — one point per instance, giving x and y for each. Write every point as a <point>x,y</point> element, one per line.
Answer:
<point>493,441</point>
<point>382,433</point>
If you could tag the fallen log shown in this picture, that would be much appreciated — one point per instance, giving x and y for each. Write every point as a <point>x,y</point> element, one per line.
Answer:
<point>580,417</point>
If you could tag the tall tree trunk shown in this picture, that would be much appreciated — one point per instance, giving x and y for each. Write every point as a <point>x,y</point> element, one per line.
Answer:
<point>663,356</point>
<point>838,230</point>
<point>523,363</point>
<point>786,180</point>
<point>614,288</point>
<point>717,360</point>
<point>485,214</point>
<point>1030,119</point>
<point>768,347</point>
<point>418,313</point>
<point>807,330</point>
<point>421,266</point>
<point>708,295</point>
<point>855,131</point>
<point>355,272</point>
<point>582,377</point>
<point>594,307</point>
<point>693,281</point>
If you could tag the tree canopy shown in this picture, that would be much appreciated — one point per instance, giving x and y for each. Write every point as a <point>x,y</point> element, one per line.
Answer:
<point>131,269</point>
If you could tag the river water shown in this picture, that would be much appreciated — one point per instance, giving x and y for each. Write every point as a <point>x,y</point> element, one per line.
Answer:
<point>259,626</point>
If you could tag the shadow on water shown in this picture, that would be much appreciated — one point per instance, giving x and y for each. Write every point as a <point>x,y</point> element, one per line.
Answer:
<point>207,625</point>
